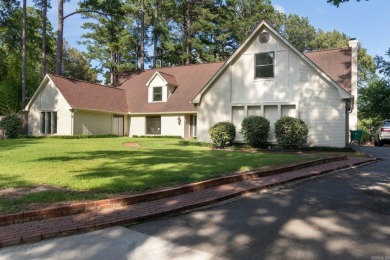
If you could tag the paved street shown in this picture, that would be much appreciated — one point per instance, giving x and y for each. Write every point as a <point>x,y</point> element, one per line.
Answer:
<point>337,216</point>
<point>343,215</point>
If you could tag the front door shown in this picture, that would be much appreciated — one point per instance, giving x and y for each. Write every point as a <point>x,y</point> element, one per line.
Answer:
<point>118,125</point>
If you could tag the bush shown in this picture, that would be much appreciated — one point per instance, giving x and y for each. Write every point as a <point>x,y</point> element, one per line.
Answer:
<point>291,132</point>
<point>255,130</point>
<point>222,134</point>
<point>11,125</point>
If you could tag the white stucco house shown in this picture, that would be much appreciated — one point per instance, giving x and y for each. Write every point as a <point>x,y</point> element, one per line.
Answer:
<point>266,76</point>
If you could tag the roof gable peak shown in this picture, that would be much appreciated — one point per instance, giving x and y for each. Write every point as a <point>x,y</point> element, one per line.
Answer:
<point>168,79</point>
<point>260,28</point>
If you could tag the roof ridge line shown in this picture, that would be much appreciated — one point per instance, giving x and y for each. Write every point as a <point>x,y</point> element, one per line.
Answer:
<point>84,81</point>
<point>333,49</point>
<point>179,66</point>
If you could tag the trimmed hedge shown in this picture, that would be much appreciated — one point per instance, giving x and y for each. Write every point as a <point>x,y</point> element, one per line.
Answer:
<point>222,134</point>
<point>12,125</point>
<point>291,132</point>
<point>255,130</point>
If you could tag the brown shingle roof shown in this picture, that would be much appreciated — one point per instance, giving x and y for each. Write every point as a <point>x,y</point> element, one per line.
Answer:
<point>189,79</point>
<point>90,96</point>
<point>131,92</point>
<point>335,63</point>
<point>169,78</point>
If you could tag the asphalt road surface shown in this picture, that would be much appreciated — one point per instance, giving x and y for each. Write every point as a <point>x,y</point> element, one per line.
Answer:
<point>343,215</point>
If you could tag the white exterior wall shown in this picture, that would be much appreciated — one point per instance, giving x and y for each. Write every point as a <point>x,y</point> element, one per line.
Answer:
<point>92,123</point>
<point>294,84</point>
<point>322,110</point>
<point>137,125</point>
<point>169,125</point>
<point>50,99</point>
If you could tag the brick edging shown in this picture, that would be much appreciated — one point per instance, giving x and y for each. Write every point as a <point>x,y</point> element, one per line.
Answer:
<point>149,196</point>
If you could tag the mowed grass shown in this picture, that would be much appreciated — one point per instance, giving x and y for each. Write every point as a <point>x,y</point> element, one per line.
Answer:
<point>97,168</point>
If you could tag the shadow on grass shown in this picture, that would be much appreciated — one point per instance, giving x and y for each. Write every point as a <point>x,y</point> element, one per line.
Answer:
<point>9,144</point>
<point>140,170</point>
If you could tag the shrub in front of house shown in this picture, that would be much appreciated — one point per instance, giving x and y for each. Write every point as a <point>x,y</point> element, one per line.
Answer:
<point>255,130</point>
<point>11,125</point>
<point>291,132</point>
<point>222,134</point>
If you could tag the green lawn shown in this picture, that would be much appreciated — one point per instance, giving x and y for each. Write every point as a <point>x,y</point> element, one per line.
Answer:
<point>99,167</point>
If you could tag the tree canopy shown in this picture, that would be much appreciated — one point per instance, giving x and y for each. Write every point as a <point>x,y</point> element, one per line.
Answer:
<point>338,2</point>
<point>123,35</point>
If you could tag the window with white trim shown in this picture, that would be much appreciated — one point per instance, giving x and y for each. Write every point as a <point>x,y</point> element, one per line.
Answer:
<point>157,94</point>
<point>264,65</point>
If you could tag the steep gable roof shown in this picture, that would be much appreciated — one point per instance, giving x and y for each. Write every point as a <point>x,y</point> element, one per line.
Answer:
<point>84,95</point>
<point>190,80</point>
<point>90,96</point>
<point>168,79</point>
<point>336,63</point>
<point>342,92</point>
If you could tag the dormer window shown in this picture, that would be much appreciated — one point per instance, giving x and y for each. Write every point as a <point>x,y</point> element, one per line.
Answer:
<point>157,94</point>
<point>160,87</point>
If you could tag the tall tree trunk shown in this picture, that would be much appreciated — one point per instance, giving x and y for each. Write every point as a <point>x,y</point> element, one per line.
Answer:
<point>112,69</point>
<point>24,54</point>
<point>156,34</point>
<point>44,27</point>
<point>142,61</point>
<point>187,26</point>
<point>60,37</point>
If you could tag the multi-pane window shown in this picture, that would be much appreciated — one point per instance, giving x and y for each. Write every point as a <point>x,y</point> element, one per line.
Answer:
<point>153,125</point>
<point>264,66</point>
<point>48,123</point>
<point>157,94</point>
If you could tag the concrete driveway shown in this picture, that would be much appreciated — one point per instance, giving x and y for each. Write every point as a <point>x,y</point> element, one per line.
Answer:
<point>343,215</point>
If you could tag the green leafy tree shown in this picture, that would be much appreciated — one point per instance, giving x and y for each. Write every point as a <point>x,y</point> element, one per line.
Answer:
<point>338,2</point>
<point>383,65</point>
<point>374,100</point>
<point>103,35</point>
<point>11,62</point>
<point>76,66</point>
<point>43,5</point>
<point>297,30</point>
<point>243,17</point>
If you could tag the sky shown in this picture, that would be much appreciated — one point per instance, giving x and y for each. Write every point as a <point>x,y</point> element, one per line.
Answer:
<point>367,21</point>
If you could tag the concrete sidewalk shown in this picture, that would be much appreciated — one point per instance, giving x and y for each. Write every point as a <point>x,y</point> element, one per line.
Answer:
<point>33,231</point>
<point>110,243</point>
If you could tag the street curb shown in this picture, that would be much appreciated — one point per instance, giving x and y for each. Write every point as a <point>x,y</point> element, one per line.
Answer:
<point>54,212</point>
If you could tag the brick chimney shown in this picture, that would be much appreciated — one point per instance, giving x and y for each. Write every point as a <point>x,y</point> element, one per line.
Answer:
<point>354,44</point>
